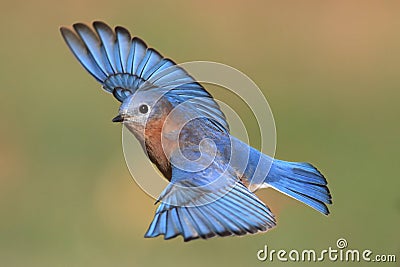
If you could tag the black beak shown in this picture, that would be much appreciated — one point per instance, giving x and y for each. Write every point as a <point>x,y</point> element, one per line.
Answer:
<point>118,118</point>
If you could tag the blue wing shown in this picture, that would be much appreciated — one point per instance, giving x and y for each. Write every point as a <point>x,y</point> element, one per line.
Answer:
<point>208,203</point>
<point>123,64</point>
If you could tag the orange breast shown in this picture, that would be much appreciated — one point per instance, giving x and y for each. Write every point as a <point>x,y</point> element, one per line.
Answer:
<point>154,147</point>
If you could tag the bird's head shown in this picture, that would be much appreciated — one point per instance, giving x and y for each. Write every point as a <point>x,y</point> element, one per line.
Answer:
<point>143,110</point>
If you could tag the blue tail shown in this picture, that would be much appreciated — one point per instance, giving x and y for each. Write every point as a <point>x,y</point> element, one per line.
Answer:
<point>302,181</point>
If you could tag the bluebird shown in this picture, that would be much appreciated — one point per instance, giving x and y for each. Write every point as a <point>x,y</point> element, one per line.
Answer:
<point>212,175</point>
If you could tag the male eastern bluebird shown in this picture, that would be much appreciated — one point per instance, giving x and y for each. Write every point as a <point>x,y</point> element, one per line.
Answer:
<point>211,174</point>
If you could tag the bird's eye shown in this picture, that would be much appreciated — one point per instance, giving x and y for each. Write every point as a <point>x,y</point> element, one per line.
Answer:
<point>144,108</point>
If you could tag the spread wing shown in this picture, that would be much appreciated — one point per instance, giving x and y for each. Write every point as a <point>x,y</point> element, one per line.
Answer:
<point>208,202</point>
<point>123,64</point>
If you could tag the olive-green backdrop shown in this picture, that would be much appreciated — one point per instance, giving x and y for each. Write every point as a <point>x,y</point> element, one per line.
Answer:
<point>329,69</point>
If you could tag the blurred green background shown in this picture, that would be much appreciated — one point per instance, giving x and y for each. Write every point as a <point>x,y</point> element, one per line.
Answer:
<point>329,69</point>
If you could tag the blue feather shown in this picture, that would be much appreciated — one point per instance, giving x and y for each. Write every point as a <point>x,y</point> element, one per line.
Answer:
<point>301,181</point>
<point>124,47</point>
<point>138,51</point>
<point>107,39</point>
<point>174,226</point>
<point>238,212</point>
<point>158,69</point>
<point>82,54</point>
<point>93,45</point>
<point>153,59</point>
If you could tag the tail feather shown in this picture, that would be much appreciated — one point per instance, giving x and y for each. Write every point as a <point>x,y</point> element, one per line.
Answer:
<point>302,181</point>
